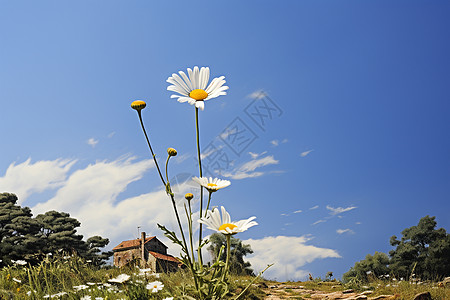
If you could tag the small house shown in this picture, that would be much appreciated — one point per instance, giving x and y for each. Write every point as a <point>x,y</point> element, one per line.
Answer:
<point>149,252</point>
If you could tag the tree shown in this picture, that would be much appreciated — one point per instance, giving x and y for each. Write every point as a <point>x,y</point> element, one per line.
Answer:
<point>238,251</point>
<point>26,238</point>
<point>94,253</point>
<point>18,229</point>
<point>422,250</point>
<point>372,265</point>
<point>58,230</point>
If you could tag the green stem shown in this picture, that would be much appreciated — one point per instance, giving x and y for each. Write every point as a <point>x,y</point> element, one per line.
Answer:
<point>167,164</point>
<point>200,260</point>
<point>228,236</point>
<point>150,146</point>
<point>164,183</point>
<point>207,206</point>
<point>253,281</point>
<point>189,217</point>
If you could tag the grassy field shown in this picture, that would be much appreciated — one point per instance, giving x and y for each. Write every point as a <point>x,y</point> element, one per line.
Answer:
<point>68,277</point>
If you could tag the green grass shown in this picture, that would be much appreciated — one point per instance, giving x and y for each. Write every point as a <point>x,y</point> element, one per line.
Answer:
<point>59,276</point>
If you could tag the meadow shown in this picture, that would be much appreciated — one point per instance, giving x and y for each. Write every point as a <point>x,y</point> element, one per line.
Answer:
<point>71,277</point>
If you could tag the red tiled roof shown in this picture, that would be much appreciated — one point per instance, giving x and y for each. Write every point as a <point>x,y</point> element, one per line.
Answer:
<point>131,244</point>
<point>164,257</point>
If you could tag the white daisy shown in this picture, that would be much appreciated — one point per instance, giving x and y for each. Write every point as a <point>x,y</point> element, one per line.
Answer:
<point>194,89</point>
<point>223,224</point>
<point>120,279</point>
<point>212,185</point>
<point>155,286</point>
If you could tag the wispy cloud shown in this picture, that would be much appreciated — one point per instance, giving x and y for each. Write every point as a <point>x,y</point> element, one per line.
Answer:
<point>27,178</point>
<point>111,134</point>
<point>180,158</point>
<point>247,170</point>
<point>318,222</point>
<point>277,142</point>
<point>210,152</point>
<point>314,207</point>
<point>339,210</point>
<point>342,231</point>
<point>92,142</point>
<point>274,142</point>
<point>288,253</point>
<point>259,94</point>
<point>224,135</point>
<point>298,211</point>
<point>256,155</point>
<point>305,153</point>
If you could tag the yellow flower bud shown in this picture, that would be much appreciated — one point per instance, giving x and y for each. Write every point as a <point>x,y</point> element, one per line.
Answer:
<point>172,152</point>
<point>189,196</point>
<point>138,105</point>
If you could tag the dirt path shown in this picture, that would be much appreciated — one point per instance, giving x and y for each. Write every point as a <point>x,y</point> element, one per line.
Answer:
<point>282,291</point>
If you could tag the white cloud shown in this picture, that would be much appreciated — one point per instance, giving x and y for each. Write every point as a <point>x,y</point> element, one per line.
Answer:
<point>256,155</point>
<point>180,158</point>
<point>341,231</point>
<point>91,196</point>
<point>212,151</point>
<point>314,207</point>
<point>257,94</point>
<point>274,142</point>
<point>95,186</point>
<point>298,211</point>
<point>284,141</point>
<point>247,170</point>
<point>111,134</point>
<point>27,178</point>
<point>258,163</point>
<point>289,254</point>
<point>92,142</point>
<point>228,132</point>
<point>318,222</point>
<point>339,210</point>
<point>305,153</point>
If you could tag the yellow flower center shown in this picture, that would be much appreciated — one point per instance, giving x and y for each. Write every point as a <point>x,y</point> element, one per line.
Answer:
<point>211,185</point>
<point>198,94</point>
<point>227,225</point>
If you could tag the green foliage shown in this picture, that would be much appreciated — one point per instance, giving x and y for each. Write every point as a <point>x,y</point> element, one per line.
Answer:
<point>23,237</point>
<point>422,250</point>
<point>372,265</point>
<point>238,250</point>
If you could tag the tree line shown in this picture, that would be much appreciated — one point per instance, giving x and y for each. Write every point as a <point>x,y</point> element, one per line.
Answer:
<point>422,252</point>
<point>28,238</point>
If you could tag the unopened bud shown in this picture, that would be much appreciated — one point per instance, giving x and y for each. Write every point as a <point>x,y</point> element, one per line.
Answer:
<point>189,196</point>
<point>138,105</point>
<point>172,152</point>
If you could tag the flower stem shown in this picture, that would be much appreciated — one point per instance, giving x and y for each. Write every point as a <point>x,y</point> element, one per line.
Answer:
<point>164,183</point>
<point>190,231</point>
<point>228,236</point>
<point>150,146</point>
<point>200,260</point>
<point>207,206</point>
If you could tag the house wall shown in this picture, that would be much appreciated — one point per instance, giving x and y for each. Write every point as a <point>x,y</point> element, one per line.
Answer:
<point>165,266</point>
<point>156,246</point>
<point>121,258</point>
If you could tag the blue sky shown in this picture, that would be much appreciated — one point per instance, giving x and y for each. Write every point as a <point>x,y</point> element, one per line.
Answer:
<point>355,147</point>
